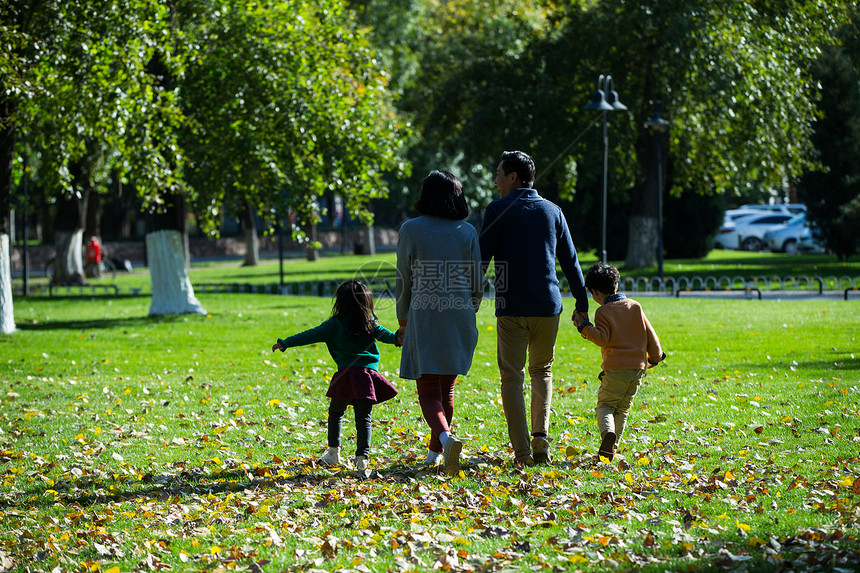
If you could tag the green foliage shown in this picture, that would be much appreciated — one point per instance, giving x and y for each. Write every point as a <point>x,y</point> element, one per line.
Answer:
<point>183,442</point>
<point>77,73</point>
<point>286,104</point>
<point>452,57</point>
<point>740,116</point>
<point>832,194</point>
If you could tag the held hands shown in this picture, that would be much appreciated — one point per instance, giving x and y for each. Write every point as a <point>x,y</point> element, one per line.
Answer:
<point>398,337</point>
<point>579,318</point>
<point>278,346</point>
<point>653,364</point>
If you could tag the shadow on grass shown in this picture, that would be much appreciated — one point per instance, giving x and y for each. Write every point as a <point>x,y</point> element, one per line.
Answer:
<point>104,323</point>
<point>85,492</point>
<point>832,360</point>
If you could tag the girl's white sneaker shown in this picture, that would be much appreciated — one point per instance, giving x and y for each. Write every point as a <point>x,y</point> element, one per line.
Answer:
<point>331,457</point>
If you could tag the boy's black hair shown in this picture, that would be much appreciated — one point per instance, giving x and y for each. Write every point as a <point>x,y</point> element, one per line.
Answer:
<point>520,163</point>
<point>603,278</point>
<point>442,196</point>
<point>353,305</point>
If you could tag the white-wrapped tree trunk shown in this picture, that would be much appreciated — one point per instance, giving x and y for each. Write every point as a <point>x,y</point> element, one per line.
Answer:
<point>252,242</point>
<point>172,292</point>
<point>7,315</point>
<point>69,264</point>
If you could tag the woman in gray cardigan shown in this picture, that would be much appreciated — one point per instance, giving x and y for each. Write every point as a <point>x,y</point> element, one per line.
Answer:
<point>438,294</point>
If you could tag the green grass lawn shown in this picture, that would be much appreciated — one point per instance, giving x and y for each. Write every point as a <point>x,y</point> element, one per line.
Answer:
<point>130,442</point>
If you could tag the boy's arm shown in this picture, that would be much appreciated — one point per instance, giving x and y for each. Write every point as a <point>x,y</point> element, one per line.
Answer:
<point>599,333</point>
<point>655,351</point>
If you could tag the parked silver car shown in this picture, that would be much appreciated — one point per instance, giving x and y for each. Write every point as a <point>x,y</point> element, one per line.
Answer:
<point>751,230</point>
<point>792,238</point>
<point>727,237</point>
<point>789,208</point>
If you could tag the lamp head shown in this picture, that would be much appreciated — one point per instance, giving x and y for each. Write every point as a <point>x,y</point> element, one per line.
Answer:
<point>657,122</point>
<point>598,102</point>
<point>612,100</point>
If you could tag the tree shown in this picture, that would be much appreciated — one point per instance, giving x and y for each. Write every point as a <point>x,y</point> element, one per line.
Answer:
<point>832,194</point>
<point>285,104</point>
<point>739,115</point>
<point>444,58</point>
<point>73,85</point>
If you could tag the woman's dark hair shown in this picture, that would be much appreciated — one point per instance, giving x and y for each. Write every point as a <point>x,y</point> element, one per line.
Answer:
<point>603,278</point>
<point>353,305</point>
<point>442,196</point>
<point>520,163</point>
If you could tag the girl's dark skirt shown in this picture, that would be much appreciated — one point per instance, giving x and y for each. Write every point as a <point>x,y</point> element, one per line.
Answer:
<point>355,383</point>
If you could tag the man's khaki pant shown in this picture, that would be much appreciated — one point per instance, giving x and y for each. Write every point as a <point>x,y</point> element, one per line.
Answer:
<point>518,336</point>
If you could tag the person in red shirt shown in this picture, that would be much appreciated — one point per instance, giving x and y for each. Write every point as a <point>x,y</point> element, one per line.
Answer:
<point>94,251</point>
<point>628,344</point>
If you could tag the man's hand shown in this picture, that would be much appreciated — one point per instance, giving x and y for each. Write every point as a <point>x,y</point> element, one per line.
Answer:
<point>278,346</point>
<point>579,318</point>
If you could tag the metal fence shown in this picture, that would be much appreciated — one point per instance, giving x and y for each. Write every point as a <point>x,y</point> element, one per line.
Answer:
<point>830,285</point>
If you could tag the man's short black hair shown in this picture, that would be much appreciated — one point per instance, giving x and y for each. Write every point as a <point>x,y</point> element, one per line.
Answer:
<point>520,163</point>
<point>603,278</point>
<point>442,196</point>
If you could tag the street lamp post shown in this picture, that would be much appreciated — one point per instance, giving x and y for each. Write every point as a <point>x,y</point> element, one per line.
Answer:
<point>604,99</point>
<point>659,125</point>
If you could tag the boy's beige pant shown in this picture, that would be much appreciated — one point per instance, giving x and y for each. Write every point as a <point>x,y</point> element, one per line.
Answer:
<point>516,337</point>
<point>617,389</point>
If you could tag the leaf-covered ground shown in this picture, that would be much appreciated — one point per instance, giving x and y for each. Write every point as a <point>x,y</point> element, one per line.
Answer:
<point>137,443</point>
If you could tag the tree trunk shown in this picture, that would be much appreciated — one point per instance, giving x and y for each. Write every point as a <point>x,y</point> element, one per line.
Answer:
<point>69,262</point>
<point>313,251</point>
<point>93,220</point>
<point>7,154</point>
<point>68,237</point>
<point>641,247</point>
<point>167,252</point>
<point>172,292</point>
<point>643,238</point>
<point>252,242</point>
<point>7,315</point>
<point>369,241</point>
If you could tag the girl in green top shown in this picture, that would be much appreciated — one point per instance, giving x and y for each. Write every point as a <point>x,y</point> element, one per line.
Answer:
<point>350,335</point>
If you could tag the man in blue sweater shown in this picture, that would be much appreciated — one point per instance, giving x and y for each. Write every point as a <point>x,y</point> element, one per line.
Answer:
<point>524,234</point>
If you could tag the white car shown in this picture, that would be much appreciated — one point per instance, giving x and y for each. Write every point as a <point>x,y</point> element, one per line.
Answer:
<point>790,208</point>
<point>727,238</point>
<point>793,237</point>
<point>785,239</point>
<point>751,230</point>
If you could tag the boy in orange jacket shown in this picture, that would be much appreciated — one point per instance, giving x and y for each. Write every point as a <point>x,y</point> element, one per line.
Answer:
<point>628,345</point>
